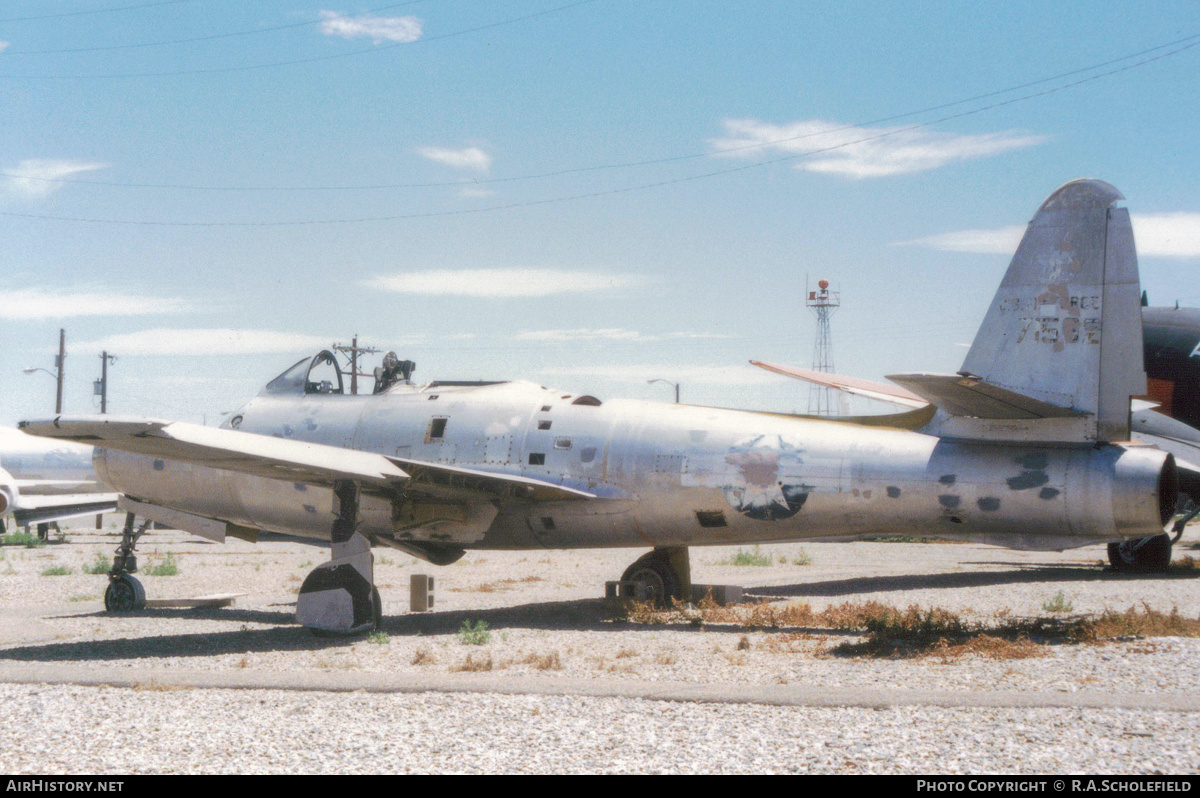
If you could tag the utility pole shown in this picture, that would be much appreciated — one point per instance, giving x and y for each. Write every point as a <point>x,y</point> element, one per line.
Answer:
<point>101,387</point>
<point>62,357</point>
<point>354,350</point>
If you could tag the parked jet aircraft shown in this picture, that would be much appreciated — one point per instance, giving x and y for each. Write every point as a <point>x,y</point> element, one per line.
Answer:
<point>1027,447</point>
<point>1172,338</point>
<point>45,481</point>
<point>1172,355</point>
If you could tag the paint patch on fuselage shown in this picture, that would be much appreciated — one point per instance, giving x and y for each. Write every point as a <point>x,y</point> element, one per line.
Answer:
<point>989,504</point>
<point>762,478</point>
<point>949,500</point>
<point>1034,475</point>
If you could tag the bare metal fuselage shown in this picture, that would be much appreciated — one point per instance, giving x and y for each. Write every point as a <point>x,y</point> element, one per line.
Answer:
<point>667,475</point>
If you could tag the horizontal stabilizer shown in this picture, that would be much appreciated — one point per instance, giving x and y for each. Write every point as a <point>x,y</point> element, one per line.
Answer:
<point>965,396</point>
<point>859,387</point>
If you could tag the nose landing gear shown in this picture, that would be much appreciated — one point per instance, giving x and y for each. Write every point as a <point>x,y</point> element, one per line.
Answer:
<point>125,593</point>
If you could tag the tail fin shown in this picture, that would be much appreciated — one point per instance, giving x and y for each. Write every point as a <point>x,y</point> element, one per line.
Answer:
<point>1065,328</point>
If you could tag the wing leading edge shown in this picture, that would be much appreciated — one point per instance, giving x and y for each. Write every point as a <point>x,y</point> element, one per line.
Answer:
<point>298,461</point>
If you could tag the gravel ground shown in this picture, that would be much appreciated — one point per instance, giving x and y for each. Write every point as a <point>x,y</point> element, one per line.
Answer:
<point>269,731</point>
<point>545,622</point>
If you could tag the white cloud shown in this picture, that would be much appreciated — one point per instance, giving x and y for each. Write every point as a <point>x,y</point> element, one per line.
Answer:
<point>35,178</point>
<point>1165,235</point>
<point>862,152</point>
<point>740,374</point>
<point>165,341</point>
<point>501,283</point>
<point>38,303</point>
<point>476,192</point>
<point>606,334</point>
<point>378,29</point>
<point>584,334</point>
<point>466,158</point>
<point>998,241</point>
<point>3,46</point>
<point>698,335</point>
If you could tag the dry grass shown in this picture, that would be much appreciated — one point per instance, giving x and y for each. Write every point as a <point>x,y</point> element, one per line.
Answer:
<point>891,632</point>
<point>473,664</point>
<point>626,653</point>
<point>1133,622</point>
<point>158,687</point>
<point>497,586</point>
<point>1186,564</point>
<point>423,656</point>
<point>544,662</point>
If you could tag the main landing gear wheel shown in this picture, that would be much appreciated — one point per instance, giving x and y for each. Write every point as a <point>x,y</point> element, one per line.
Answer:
<point>1150,555</point>
<point>376,609</point>
<point>653,579</point>
<point>124,594</point>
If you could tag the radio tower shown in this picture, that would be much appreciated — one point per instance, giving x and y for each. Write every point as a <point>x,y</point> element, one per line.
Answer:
<point>823,302</point>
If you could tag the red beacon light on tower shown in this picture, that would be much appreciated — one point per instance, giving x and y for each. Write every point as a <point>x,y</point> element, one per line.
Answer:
<point>822,295</point>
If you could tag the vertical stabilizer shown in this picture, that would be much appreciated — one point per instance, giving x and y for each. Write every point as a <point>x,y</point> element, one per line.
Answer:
<point>1065,327</point>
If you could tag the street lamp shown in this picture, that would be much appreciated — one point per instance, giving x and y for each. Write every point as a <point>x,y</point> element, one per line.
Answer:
<point>32,369</point>
<point>668,382</point>
<point>58,362</point>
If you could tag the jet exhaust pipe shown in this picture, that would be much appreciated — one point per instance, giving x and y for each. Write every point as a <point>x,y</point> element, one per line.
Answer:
<point>1145,487</point>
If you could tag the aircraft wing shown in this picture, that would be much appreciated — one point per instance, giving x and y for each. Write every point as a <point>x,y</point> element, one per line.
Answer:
<point>43,509</point>
<point>860,387</point>
<point>438,479</point>
<point>243,452</point>
<point>279,458</point>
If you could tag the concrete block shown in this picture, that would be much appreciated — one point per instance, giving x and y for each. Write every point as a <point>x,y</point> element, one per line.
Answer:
<point>723,595</point>
<point>420,593</point>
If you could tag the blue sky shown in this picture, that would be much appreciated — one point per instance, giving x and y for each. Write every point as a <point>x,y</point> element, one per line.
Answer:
<point>586,195</point>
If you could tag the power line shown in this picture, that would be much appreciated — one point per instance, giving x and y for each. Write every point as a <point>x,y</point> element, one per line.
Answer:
<point>624,164</point>
<point>312,60</point>
<point>606,192</point>
<point>213,37</point>
<point>95,11</point>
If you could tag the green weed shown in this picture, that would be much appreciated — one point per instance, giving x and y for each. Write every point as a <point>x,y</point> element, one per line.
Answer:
<point>755,558</point>
<point>99,565</point>
<point>1060,603</point>
<point>476,635</point>
<point>167,566</point>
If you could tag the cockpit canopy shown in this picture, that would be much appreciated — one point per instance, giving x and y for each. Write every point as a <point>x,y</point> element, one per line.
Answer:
<point>319,374</point>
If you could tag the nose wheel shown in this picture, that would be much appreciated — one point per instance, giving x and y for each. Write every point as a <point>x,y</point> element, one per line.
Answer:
<point>124,594</point>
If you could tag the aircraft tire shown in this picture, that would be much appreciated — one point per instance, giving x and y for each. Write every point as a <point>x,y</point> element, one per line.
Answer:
<point>654,573</point>
<point>124,594</point>
<point>1150,555</point>
<point>376,608</point>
